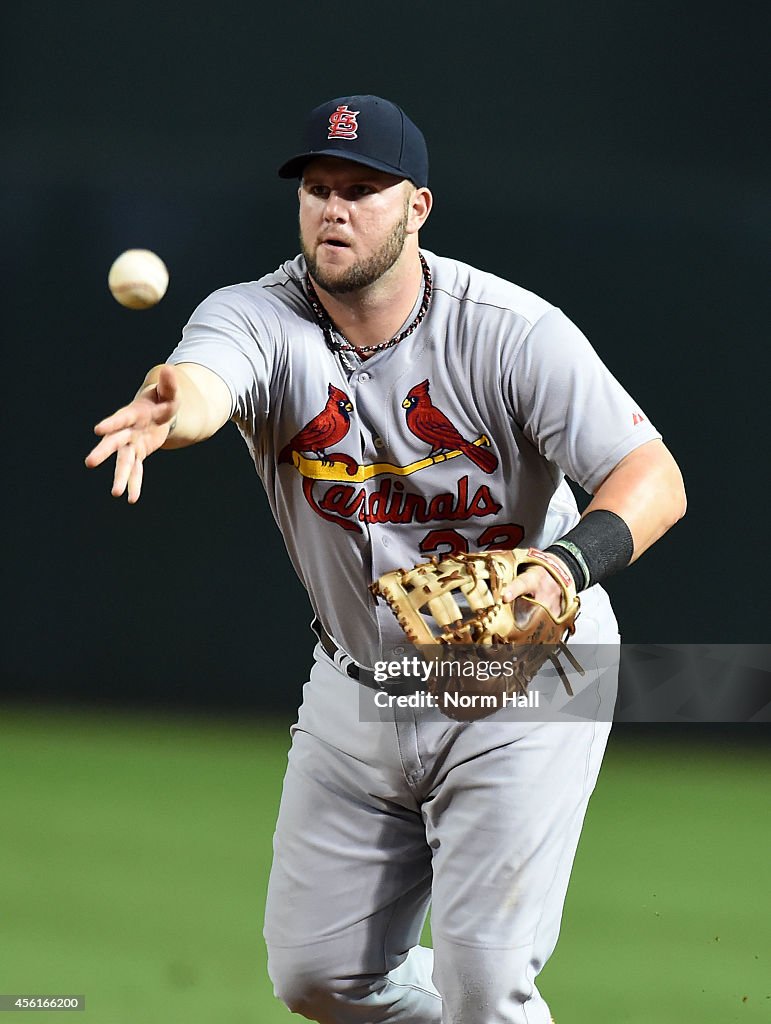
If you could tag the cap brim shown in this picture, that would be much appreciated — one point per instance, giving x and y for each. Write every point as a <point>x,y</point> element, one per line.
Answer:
<point>295,166</point>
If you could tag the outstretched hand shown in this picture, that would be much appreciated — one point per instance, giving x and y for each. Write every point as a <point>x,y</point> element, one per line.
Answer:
<point>136,431</point>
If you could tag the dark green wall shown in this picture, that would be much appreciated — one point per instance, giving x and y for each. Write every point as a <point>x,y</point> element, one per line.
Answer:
<point>608,156</point>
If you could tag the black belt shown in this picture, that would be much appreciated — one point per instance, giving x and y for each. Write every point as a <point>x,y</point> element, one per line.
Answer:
<point>365,676</point>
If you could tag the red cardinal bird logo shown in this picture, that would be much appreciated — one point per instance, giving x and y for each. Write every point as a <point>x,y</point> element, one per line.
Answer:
<point>432,426</point>
<point>328,428</point>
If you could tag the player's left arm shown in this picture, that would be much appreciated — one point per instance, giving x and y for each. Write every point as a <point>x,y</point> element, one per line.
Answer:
<point>641,498</point>
<point>646,490</point>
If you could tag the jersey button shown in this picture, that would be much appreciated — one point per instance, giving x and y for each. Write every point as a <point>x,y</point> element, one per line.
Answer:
<point>365,376</point>
<point>378,442</point>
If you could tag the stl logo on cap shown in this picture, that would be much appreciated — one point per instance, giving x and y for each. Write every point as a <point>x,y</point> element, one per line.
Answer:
<point>342,124</point>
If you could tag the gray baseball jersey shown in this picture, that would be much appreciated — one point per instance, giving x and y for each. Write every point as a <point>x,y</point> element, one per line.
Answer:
<point>458,438</point>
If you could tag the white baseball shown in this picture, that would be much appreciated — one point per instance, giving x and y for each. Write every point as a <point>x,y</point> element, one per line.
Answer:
<point>138,279</point>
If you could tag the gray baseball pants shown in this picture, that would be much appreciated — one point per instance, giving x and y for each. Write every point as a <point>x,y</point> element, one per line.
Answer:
<point>381,818</point>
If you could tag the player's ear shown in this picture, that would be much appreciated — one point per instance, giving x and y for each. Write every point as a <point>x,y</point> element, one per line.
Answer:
<point>421,202</point>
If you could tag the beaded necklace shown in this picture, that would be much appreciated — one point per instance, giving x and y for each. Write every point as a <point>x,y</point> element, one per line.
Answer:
<point>333,336</point>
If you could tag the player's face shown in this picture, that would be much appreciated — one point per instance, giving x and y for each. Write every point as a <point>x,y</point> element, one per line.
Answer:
<point>353,223</point>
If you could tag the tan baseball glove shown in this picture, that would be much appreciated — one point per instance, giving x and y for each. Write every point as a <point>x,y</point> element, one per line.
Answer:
<point>455,603</point>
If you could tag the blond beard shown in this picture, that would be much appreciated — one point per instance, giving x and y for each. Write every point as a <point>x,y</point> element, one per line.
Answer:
<point>362,274</point>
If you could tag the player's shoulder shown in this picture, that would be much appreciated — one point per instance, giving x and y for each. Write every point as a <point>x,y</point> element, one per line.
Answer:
<point>277,294</point>
<point>271,306</point>
<point>463,283</point>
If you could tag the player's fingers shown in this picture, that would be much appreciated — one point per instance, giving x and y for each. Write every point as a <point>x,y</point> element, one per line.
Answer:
<point>123,466</point>
<point>167,385</point>
<point>120,420</point>
<point>537,584</point>
<point>525,583</point>
<point>135,480</point>
<point>107,447</point>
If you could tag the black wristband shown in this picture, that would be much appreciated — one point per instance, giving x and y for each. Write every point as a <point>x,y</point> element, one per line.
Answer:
<point>600,545</point>
<point>571,562</point>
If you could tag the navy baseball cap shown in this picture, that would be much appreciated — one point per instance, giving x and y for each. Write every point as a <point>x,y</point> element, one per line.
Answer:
<point>368,130</point>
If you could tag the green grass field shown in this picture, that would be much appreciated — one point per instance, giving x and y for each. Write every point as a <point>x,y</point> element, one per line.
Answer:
<point>135,854</point>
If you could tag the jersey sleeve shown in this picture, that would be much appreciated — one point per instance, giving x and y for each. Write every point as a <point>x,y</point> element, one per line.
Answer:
<point>569,404</point>
<point>237,340</point>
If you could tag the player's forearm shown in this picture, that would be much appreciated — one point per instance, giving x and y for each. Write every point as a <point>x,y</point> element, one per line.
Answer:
<point>204,405</point>
<point>646,490</point>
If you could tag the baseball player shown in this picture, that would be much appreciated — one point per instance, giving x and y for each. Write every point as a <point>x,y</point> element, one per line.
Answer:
<point>397,405</point>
